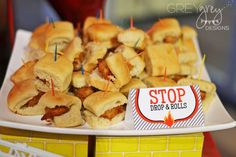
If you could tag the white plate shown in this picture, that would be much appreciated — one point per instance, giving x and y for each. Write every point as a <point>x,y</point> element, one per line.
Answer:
<point>217,118</point>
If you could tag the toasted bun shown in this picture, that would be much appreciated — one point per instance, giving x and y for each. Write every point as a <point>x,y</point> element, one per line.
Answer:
<point>37,40</point>
<point>133,37</point>
<point>73,49</point>
<point>188,53</point>
<point>187,69</point>
<point>159,82</point>
<point>20,94</point>
<point>61,33</point>
<point>133,83</point>
<point>101,123</point>
<point>26,71</point>
<point>103,32</point>
<point>142,75</point>
<point>133,59</point>
<point>159,56</point>
<point>90,21</point>
<point>70,118</point>
<point>205,86</point>
<point>94,51</point>
<point>98,82</point>
<point>163,28</point>
<point>79,80</point>
<point>119,69</point>
<point>188,32</point>
<point>60,72</point>
<point>99,102</point>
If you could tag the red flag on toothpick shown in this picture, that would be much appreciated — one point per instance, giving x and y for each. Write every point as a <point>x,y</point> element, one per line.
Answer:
<point>52,83</point>
<point>164,75</point>
<point>100,14</point>
<point>131,22</point>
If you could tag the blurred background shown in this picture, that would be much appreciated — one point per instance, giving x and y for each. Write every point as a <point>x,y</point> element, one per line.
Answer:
<point>218,43</point>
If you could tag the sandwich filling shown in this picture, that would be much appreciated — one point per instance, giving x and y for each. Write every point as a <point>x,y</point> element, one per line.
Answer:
<point>50,113</point>
<point>34,101</point>
<point>78,61</point>
<point>203,94</point>
<point>110,114</point>
<point>171,39</point>
<point>83,92</point>
<point>104,70</point>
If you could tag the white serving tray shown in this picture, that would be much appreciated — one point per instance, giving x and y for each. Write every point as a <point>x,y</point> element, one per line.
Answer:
<point>217,118</point>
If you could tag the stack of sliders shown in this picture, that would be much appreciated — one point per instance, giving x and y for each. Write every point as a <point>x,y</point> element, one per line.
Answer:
<point>87,78</point>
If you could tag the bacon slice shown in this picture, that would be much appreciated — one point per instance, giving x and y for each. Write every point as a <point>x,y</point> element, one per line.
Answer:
<point>34,101</point>
<point>109,114</point>
<point>203,95</point>
<point>83,92</point>
<point>103,69</point>
<point>50,113</point>
<point>171,39</point>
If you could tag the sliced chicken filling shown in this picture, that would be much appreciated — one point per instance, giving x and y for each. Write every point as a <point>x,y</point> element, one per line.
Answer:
<point>104,70</point>
<point>83,92</point>
<point>50,113</point>
<point>34,101</point>
<point>109,114</point>
<point>171,39</point>
<point>203,94</point>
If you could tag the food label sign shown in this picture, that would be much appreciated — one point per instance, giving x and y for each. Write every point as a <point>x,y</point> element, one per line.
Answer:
<point>166,107</point>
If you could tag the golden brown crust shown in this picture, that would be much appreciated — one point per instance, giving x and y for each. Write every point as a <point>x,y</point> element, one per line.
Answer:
<point>103,32</point>
<point>20,94</point>
<point>26,71</point>
<point>60,71</point>
<point>188,32</point>
<point>164,28</point>
<point>119,69</point>
<point>99,102</point>
<point>159,82</point>
<point>161,56</point>
<point>74,49</point>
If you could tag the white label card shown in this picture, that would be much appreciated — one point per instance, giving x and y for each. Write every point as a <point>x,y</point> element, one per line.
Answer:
<point>166,107</point>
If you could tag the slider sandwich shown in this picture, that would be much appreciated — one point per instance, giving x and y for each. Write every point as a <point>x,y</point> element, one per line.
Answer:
<point>166,30</point>
<point>74,53</point>
<point>61,109</point>
<point>46,70</point>
<point>26,71</point>
<point>207,90</point>
<point>103,109</point>
<point>59,34</point>
<point>73,50</point>
<point>158,82</point>
<point>23,98</point>
<point>93,51</point>
<point>188,52</point>
<point>104,33</point>
<point>134,38</point>
<point>90,21</point>
<point>160,56</point>
<point>188,32</point>
<point>80,86</point>
<point>133,83</point>
<point>111,73</point>
<point>135,62</point>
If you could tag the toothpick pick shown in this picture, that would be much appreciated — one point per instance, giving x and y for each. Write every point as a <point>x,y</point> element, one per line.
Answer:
<point>202,65</point>
<point>55,54</point>
<point>164,75</point>
<point>52,84</point>
<point>131,22</point>
<point>136,43</point>
<point>52,21</point>
<point>100,14</point>
<point>82,69</point>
